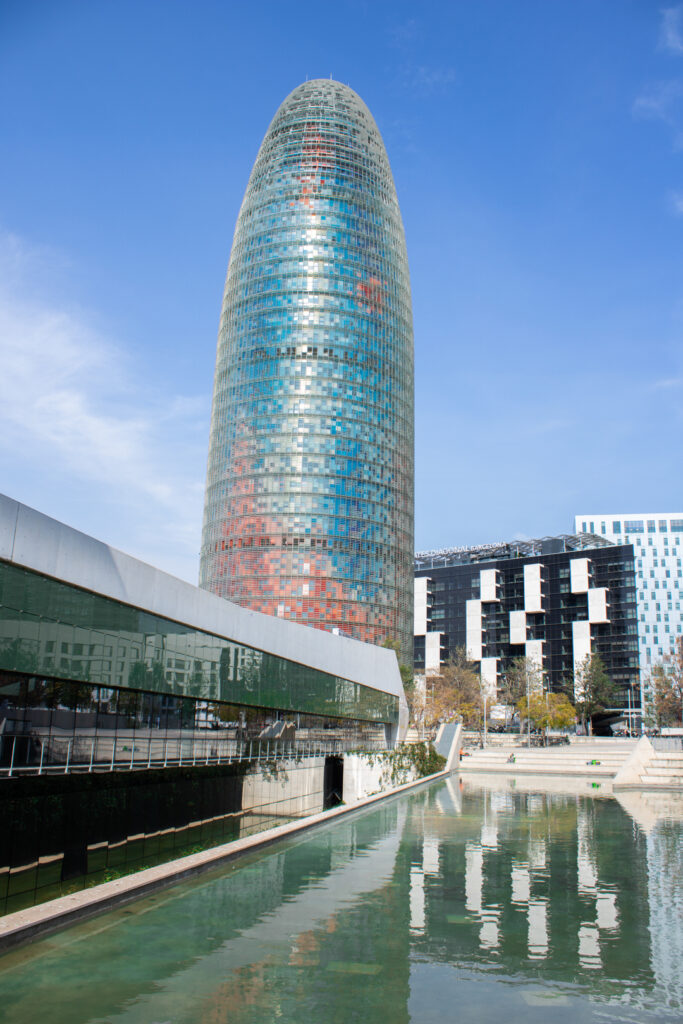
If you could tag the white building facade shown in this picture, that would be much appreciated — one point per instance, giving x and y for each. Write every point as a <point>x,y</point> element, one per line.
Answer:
<point>657,539</point>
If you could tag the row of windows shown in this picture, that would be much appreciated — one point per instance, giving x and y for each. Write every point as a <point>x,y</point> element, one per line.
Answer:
<point>635,526</point>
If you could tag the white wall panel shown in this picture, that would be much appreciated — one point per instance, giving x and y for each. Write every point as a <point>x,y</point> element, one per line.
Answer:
<point>473,629</point>
<point>517,627</point>
<point>597,605</point>
<point>420,613</point>
<point>533,599</point>
<point>432,652</point>
<point>488,584</point>
<point>488,676</point>
<point>581,643</point>
<point>579,576</point>
<point>534,652</point>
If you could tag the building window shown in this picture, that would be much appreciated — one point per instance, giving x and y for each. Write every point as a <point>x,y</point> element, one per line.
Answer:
<point>650,526</point>
<point>616,526</point>
<point>634,525</point>
<point>677,526</point>
<point>662,525</point>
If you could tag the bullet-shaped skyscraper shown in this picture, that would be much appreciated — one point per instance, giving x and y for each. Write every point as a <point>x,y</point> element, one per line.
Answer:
<point>309,494</point>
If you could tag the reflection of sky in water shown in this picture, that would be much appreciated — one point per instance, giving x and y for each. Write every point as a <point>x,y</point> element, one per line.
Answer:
<point>467,904</point>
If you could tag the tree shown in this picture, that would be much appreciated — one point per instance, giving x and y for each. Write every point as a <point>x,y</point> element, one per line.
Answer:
<point>521,677</point>
<point>664,700</point>
<point>593,688</point>
<point>547,710</point>
<point>455,693</point>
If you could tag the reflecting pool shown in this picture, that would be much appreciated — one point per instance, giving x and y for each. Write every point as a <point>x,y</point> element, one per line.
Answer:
<point>466,901</point>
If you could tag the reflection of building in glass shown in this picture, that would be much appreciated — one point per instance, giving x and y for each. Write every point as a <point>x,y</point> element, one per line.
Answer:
<point>554,600</point>
<point>309,497</point>
<point>90,637</point>
<point>116,678</point>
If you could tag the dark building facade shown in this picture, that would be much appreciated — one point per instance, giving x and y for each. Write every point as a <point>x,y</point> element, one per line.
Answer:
<point>556,601</point>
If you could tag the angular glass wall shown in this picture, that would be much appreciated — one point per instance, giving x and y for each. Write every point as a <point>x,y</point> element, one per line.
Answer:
<point>52,726</point>
<point>52,629</point>
<point>309,498</point>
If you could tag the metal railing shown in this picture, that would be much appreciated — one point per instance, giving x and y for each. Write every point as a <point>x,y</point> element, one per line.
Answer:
<point>108,754</point>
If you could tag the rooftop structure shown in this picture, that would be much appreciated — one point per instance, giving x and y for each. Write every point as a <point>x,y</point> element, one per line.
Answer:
<point>507,549</point>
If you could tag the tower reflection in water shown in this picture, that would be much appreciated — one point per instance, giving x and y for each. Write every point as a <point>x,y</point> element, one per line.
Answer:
<point>465,902</point>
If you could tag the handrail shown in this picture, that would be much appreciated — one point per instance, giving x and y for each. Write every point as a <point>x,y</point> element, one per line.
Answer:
<point>77,756</point>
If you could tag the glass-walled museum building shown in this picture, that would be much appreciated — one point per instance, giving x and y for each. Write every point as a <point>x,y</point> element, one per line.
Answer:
<point>142,718</point>
<point>309,497</point>
<point>105,660</point>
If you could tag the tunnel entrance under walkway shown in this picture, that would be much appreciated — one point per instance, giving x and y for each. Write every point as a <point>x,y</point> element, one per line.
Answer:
<point>333,782</point>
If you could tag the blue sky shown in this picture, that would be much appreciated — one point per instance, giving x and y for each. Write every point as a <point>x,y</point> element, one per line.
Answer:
<point>537,150</point>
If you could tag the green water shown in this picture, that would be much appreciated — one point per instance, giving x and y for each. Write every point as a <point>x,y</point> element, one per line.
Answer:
<point>457,903</point>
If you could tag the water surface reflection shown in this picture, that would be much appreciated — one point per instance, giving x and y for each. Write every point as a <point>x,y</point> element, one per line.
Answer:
<point>475,901</point>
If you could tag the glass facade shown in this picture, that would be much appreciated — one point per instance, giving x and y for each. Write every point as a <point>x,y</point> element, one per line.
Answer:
<point>98,782</point>
<point>658,550</point>
<point>52,629</point>
<point>309,498</point>
<point>50,725</point>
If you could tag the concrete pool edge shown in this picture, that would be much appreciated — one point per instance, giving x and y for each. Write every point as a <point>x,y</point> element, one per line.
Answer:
<point>24,926</point>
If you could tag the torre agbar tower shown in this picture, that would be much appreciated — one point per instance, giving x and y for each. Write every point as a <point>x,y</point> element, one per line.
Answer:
<point>309,495</point>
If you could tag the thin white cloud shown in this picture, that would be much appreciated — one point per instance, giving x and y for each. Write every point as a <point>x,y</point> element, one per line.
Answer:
<point>404,33</point>
<point>663,102</point>
<point>671,33</point>
<point>676,202</point>
<point>431,79</point>
<point>69,399</point>
<point>660,101</point>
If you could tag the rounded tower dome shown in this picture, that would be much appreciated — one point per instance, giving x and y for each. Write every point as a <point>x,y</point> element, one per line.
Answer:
<point>309,494</point>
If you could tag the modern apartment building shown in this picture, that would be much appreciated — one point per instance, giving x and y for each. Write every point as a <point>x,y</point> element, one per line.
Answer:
<point>657,539</point>
<point>554,600</point>
<point>309,494</point>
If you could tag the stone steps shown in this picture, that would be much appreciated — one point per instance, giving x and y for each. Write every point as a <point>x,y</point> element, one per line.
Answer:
<point>564,760</point>
<point>656,770</point>
<point>662,778</point>
<point>664,769</point>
